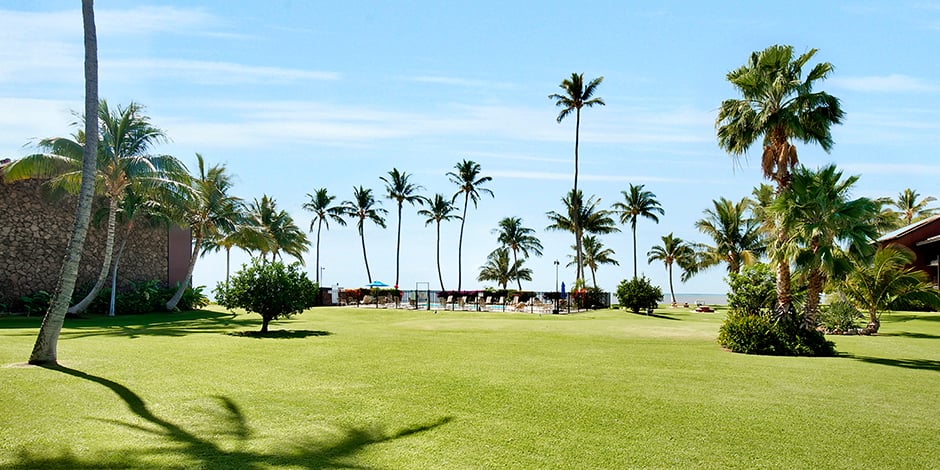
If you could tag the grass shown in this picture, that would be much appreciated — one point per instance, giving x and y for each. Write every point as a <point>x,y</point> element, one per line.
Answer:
<point>370,388</point>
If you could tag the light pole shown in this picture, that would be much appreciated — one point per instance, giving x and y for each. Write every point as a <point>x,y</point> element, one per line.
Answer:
<point>321,274</point>
<point>556,287</point>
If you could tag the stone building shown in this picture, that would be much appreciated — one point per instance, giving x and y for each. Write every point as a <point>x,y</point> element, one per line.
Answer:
<point>34,233</point>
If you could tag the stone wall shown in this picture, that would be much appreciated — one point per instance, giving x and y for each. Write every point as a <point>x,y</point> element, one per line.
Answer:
<point>34,233</point>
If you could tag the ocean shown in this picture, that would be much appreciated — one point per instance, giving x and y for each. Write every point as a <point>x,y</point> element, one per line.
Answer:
<point>707,299</point>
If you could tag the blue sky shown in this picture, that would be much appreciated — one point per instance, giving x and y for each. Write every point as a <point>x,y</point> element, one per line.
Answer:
<point>297,95</point>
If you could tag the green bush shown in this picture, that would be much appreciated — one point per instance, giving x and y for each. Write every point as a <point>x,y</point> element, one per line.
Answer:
<point>37,302</point>
<point>753,291</point>
<point>637,294</point>
<point>839,317</point>
<point>271,290</point>
<point>759,334</point>
<point>143,297</point>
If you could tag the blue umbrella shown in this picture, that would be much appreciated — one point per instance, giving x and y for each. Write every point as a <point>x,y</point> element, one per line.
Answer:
<point>376,284</point>
<point>563,295</point>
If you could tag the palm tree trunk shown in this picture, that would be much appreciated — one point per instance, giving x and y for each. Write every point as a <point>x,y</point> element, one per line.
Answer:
<point>398,246</point>
<point>463,220</point>
<point>577,202</point>
<point>672,293</point>
<point>784,295</point>
<point>634,252</point>
<point>117,261</point>
<point>44,351</point>
<point>319,226</point>
<point>228,263</point>
<point>105,265</point>
<point>439,275</point>
<point>171,304</point>
<point>813,291</point>
<point>362,236</point>
<point>594,276</point>
<point>873,323</point>
<point>515,262</point>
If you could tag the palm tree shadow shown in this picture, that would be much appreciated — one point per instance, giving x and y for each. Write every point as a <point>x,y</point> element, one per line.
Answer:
<point>311,453</point>
<point>920,364</point>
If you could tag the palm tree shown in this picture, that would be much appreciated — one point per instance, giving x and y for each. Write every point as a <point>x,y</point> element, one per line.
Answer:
<point>885,280</point>
<point>637,203</point>
<point>594,255</point>
<point>574,97</point>
<point>513,235</point>
<point>399,189</point>
<point>674,250</point>
<point>44,350</point>
<point>319,204</point>
<point>362,208</point>
<point>500,269</point>
<point>470,184</point>
<point>278,230</point>
<point>439,210</point>
<point>737,238</point>
<point>778,105</point>
<point>245,234</point>
<point>820,218</point>
<point>913,209</point>
<point>587,218</point>
<point>209,210</point>
<point>126,137</point>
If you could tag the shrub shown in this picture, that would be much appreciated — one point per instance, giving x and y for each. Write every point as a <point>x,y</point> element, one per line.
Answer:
<point>748,333</point>
<point>271,290</point>
<point>37,302</point>
<point>753,291</point>
<point>591,297</point>
<point>839,317</point>
<point>638,294</point>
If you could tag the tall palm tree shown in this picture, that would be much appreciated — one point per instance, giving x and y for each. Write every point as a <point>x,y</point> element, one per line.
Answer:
<point>209,210</point>
<point>912,208</point>
<point>674,250</point>
<point>737,238</point>
<point>244,234</point>
<point>399,189</point>
<point>637,203</point>
<point>594,255</point>
<point>279,233</point>
<point>574,97</point>
<point>500,269</point>
<point>44,350</point>
<point>439,210</point>
<point>587,217</point>
<point>778,105</point>
<point>362,208</point>
<point>821,219</point>
<point>122,160</point>
<point>513,235</point>
<point>320,204</point>
<point>470,184</point>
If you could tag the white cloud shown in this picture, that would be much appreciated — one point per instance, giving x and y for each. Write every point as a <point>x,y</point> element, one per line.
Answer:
<point>894,83</point>
<point>904,169</point>
<point>463,82</point>
<point>558,176</point>
<point>209,73</point>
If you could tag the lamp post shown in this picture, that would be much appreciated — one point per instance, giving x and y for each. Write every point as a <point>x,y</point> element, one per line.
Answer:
<point>321,274</point>
<point>556,287</point>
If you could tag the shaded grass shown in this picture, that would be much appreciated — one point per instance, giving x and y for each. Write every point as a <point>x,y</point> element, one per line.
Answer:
<point>395,389</point>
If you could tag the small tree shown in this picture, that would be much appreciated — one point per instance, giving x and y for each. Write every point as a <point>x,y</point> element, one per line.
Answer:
<point>272,290</point>
<point>638,293</point>
<point>753,291</point>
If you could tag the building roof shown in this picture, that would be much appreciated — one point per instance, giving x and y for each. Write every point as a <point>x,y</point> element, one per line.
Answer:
<point>908,229</point>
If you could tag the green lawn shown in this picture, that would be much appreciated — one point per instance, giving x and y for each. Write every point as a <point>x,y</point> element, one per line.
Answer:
<point>367,388</point>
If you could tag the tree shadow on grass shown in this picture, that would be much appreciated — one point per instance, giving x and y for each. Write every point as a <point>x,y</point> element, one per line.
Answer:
<point>282,334</point>
<point>920,364</point>
<point>310,453</point>
<point>909,334</point>
<point>169,324</point>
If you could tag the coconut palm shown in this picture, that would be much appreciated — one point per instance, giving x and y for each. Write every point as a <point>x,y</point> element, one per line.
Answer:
<point>44,350</point>
<point>674,250</point>
<point>279,233</point>
<point>821,219</point>
<point>361,208</point>
<point>737,238</point>
<point>912,208</point>
<point>244,234</point>
<point>122,160</point>
<point>513,235</point>
<point>778,105</point>
<point>588,218</point>
<point>209,210</point>
<point>574,97</point>
<point>887,279</point>
<point>501,270</point>
<point>399,189</point>
<point>320,204</point>
<point>470,184</point>
<point>439,210</point>
<point>594,255</point>
<point>637,203</point>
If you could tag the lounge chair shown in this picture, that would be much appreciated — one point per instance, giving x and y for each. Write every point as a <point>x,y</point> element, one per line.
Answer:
<point>449,302</point>
<point>367,299</point>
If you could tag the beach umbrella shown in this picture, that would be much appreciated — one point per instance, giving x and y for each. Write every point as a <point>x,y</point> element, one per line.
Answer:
<point>563,295</point>
<point>376,284</point>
